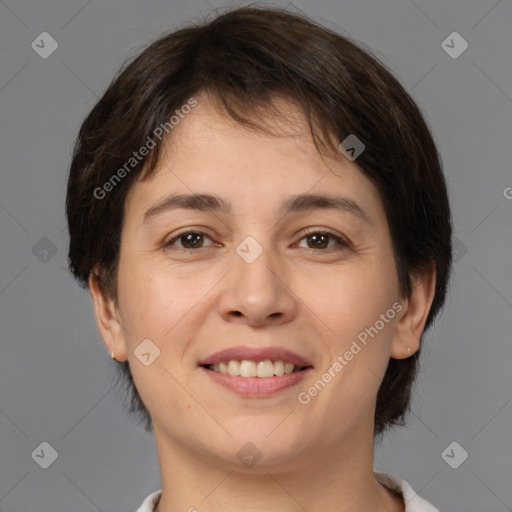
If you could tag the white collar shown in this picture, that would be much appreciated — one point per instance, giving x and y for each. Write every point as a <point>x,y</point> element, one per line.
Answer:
<point>413,502</point>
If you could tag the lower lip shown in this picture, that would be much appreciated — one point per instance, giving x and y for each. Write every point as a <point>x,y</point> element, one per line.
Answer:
<point>254,386</point>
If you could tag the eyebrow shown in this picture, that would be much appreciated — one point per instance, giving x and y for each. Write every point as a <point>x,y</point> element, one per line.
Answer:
<point>292,204</point>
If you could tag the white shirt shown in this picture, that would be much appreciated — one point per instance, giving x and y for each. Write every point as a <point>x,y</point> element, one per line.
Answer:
<point>413,503</point>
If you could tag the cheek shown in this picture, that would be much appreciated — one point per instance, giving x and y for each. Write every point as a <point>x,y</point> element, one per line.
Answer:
<point>149,304</point>
<point>158,305</point>
<point>351,299</point>
<point>358,338</point>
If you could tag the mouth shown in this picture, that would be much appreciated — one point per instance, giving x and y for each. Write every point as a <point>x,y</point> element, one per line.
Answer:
<point>249,369</point>
<point>256,372</point>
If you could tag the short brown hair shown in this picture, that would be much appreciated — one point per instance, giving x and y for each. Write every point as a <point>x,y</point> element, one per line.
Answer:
<point>242,59</point>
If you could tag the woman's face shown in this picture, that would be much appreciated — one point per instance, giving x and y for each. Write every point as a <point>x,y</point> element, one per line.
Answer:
<point>253,277</point>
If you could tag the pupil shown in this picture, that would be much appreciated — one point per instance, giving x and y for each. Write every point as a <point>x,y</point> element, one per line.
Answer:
<point>189,236</point>
<point>314,237</point>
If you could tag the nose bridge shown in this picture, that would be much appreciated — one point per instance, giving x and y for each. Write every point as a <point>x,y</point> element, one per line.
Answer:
<point>258,266</point>
<point>257,289</point>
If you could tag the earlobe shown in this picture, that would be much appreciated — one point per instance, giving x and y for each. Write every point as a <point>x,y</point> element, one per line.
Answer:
<point>107,318</point>
<point>409,327</point>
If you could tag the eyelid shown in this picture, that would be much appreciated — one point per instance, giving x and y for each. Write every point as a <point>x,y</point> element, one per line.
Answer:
<point>185,231</point>
<point>343,242</point>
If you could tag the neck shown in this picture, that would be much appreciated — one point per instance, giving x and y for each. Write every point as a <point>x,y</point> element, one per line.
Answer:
<point>339,479</point>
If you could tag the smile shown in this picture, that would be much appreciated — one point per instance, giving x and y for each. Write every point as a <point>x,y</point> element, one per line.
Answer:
<point>244,383</point>
<point>262,369</point>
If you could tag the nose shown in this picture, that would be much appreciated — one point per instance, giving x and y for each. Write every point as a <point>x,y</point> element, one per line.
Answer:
<point>258,292</point>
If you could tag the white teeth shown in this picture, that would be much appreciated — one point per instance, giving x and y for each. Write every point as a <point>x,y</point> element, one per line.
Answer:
<point>247,369</point>
<point>288,368</point>
<point>234,368</point>
<point>261,369</point>
<point>279,368</point>
<point>265,369</point>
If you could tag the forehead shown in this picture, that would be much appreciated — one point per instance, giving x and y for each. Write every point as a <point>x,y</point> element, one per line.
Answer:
<point>208,123</point>
<point>211,153</point>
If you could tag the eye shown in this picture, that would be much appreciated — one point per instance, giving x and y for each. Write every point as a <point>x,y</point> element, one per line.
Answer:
<point>319,239</point>
<point>191,240</point>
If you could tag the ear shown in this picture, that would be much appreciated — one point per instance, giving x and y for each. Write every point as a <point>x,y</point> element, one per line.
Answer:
<point>410,325</point>
<point>107,318</point>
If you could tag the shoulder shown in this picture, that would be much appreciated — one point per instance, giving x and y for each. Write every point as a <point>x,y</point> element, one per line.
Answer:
<point>151,501</point>
<point>413,502</point>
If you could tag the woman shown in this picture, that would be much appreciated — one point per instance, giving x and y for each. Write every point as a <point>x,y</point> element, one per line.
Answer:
<point>258,209</point>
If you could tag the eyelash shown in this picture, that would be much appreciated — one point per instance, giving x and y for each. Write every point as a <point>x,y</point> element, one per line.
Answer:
<point>342,243</point>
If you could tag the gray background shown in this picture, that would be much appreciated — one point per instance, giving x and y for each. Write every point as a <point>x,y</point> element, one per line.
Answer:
<point>56,376</point>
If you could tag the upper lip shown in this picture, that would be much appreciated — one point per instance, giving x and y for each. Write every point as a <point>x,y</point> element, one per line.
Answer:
<point>255,354</point>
